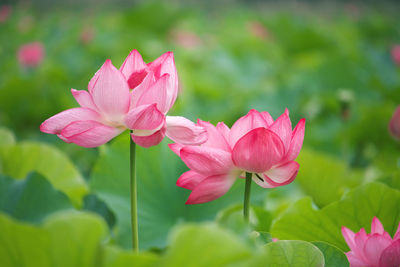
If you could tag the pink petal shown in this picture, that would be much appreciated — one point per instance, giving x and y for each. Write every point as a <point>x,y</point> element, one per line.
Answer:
<point>283,128</point>
<point>376,226</point>
<point>359,240</point>
<point>354,260</point>
<point>184,131</point>
<point>84,99</point>
<point>55,124</point>
<point>151,140</point>
<point>283,174</point>
<point>176,148</point>
<point>215,138</point>
<point>390,257</point>
<point>349,237</point>
<point>89,133</point>
<point>260,180</point>
<point>206,161</point>
<point>267,117</point>
<point>134,69</point>
<point>224,130</point>
<point>210,189</point>
<point>63,138</point>
<point>296,142</point>
<point>190,180</point>
<point>245,124</point>
<point>165,64</point>
<point>145,120</point>
<point>374,246</point>
<point>397,234</point>
<point>110,92</point>
<point>355,242</point>
<point>156,93</point>
<point>93,81</point>
<point>394,125</point>
<point>137,93</point>
<point>258,151</point>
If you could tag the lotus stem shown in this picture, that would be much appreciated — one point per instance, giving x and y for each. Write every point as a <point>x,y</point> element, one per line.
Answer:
<point>134,213</point>
<point>246,203</point>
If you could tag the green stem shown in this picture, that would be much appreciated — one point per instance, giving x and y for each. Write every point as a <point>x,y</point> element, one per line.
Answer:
<point>246,203</point>
<point>134,217</point>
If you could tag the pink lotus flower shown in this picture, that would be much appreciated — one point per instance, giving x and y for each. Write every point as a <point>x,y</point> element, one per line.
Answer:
<point>396,54</point>
<point>5,11</point>
<point>109,107</point>
<point>394,124</point>
<point>376,249</point>
<point>30,55</point>
<point>256,144</point>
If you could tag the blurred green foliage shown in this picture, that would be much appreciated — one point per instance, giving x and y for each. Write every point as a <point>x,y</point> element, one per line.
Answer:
<point>332,67</point>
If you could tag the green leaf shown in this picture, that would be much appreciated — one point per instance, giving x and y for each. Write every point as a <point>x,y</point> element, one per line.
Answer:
<point>6,137</point>
<point>116,257</point>
<point>204,245</point>
<point>67,238</point>
<point>18,160</point>
<point>75,238</point>
<point>22,244</point>
<point>161,203</point>
<point>94,204</point>
<point>30,199</point>
<point>253,233</point>
<point>354,211</point>
<point>334,257</point>
<point>324,177</point>
<point>392,180</point>
<point>289,253</point>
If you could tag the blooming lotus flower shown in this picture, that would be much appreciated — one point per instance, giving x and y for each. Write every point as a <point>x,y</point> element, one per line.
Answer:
<point>394,124</point>
<point>30,55</point>
<point>136,97</point>
<point>256,144</point>
<point>396,54</point>
<point>376,249</point>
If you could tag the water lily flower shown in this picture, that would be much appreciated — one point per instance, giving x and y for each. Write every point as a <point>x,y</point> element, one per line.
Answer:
<point>376,249</point>
<point>137,97</point>
<point>256,144</point>
<point>394,124</point>
<point>31,54</point>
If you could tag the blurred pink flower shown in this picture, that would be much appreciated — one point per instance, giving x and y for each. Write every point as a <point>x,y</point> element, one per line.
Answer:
<point>396,54</point>
<point>256,144</point>
<point>31,55</point>
<point>376,249</point>
<point>109,106</point>
<point>394,124</point>
<point>5,12</point>
<point>87,35</point>
<point>257,29</point>
<point>186,39</point>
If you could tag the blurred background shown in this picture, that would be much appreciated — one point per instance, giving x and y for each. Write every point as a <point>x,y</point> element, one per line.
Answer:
<point>335,63</point>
